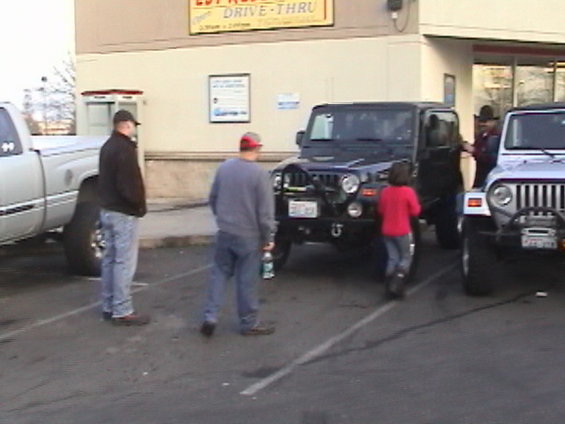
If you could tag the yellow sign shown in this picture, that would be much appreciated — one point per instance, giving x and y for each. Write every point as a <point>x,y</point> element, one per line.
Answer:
<point>212,16</point>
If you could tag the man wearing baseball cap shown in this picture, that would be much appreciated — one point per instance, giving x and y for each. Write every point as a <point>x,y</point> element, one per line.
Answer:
<point>122,198</point>
<point>242,201</point>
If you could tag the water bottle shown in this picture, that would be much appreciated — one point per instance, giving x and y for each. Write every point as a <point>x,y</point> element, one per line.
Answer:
<point>268,266</point>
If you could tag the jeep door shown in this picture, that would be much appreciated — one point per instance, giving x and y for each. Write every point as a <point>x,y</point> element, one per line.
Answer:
<point>438,155</point>
<point>21,185</point>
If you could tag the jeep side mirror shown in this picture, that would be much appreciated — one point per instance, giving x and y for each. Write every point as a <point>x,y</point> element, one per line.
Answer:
<point>493,143</point>
<point>299,137</point>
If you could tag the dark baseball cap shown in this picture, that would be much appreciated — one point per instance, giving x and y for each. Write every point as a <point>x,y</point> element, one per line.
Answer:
<point>124,116</point>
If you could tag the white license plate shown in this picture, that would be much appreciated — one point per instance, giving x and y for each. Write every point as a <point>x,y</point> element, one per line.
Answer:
<point>539,242</point>
<point>302,209</point>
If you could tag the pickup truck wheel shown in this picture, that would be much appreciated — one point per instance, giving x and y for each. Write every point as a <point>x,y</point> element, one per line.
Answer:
<point>281,253</point>
<point>83,242</point>
<point>446,222</point>
<point>478,260</point>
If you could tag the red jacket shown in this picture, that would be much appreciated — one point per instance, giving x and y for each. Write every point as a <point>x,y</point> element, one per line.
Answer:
<point>396,205</point>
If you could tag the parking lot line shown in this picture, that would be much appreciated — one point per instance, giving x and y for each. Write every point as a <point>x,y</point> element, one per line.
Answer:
<point>60,317</point>
<point>327,345</point>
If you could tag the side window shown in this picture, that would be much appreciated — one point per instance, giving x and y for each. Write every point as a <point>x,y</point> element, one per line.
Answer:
<point>322,127</point>
<point>441,129</point>
<point>9,141</point>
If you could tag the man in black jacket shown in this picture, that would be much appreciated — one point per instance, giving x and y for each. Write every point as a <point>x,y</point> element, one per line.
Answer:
<point>122,198</point>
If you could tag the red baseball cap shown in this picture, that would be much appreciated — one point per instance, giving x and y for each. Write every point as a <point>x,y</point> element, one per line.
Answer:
<point>250,141</point>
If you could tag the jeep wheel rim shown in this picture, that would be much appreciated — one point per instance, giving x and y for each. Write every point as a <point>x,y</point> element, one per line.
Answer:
<point>97,243</point>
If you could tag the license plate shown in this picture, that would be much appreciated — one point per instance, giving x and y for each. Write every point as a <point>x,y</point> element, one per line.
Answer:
<point>302,209</point>
<point>539,242</point>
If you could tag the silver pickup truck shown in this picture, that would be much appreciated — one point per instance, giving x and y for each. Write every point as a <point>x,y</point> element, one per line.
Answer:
<point>48,184</point>
<point>521,209</point>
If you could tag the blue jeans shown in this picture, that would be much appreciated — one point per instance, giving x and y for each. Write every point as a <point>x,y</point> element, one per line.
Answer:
<point>238,257</point>
<point>120,233</point>
<point>398,250</point>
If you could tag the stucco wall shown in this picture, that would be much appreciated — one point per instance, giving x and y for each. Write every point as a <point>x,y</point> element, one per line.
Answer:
<point>175,85</point>
<point>517,20</point>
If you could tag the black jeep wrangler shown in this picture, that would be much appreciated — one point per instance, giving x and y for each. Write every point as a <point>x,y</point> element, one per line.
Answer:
<point>329,192</point>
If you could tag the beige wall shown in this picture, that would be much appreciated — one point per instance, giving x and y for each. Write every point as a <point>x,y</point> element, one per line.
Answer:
<point>104,26</point>
<point>517,20</point>
<point>175,85</point>
<point>183,148</point>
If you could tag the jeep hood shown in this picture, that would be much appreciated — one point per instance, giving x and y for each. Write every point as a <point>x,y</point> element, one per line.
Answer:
<point>330,164</point>
<point>544,169</point>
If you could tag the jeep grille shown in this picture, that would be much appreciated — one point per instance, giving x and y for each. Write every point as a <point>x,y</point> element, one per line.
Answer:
<point>550,195</point>
<point>300,179</point>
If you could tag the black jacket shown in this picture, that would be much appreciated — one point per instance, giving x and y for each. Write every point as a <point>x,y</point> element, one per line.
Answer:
<point>120,183</point>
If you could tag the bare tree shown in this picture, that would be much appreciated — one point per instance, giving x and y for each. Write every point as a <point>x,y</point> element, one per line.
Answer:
<point>55,100</point>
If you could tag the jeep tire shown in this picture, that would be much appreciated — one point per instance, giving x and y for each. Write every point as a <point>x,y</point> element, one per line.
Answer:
<point>478,258</point>
<point>447,232</point>
<point>281,253</point>
<point>82,239</point>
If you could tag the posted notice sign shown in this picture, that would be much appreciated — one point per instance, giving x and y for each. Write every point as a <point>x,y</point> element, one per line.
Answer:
<point>229,98</point>
<point>213,16</point>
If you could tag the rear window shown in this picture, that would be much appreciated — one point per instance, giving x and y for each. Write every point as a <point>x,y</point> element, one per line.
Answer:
<point>9,141</point>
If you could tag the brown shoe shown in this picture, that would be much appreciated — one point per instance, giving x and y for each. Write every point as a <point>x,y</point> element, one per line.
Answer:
<point>132,319</point>
<point>259,329</point>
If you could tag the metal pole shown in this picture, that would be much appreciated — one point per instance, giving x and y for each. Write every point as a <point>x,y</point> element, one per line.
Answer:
<point>44,81</point>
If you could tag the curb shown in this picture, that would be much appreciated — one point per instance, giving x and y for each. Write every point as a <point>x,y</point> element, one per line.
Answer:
<point>176,241</point>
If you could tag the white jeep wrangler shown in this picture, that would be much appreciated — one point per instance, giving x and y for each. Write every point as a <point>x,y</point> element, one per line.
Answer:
<point>521,207</point>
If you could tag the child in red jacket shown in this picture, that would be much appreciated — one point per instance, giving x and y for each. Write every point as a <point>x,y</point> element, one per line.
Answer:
<point>397,205</point>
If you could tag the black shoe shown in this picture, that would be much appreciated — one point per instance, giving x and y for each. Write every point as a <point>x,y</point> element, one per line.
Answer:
<point>259,329</point>
<point>207,328</point>
<point>131,320</point>
<point>106,316</point>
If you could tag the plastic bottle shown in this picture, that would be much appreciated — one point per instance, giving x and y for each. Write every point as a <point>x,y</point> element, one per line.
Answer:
<point>268,267</point>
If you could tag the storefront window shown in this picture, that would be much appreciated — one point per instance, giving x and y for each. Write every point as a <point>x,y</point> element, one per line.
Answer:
<point>493,86</point>
<point>534,84</point>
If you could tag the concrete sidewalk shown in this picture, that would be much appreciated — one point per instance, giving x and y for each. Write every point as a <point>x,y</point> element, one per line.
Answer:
<point>176,226</point>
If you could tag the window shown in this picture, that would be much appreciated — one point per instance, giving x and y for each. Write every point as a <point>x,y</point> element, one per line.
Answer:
<point>536,131</point>
<point>441,129</point>
<point>9,141</point>
<point>363,125</point>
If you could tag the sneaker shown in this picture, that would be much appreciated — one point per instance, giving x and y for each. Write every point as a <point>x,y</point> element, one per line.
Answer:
<point>259,329</point>
<point>208,328</point>
<point>131,320</point>
<point>106,316</point>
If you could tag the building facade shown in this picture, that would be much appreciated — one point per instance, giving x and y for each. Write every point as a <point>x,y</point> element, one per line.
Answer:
<point>211,70</point>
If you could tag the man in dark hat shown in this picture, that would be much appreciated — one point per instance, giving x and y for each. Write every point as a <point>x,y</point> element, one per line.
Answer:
<point>484,160</point>
<point>122,198</point>
<point>242,201</point>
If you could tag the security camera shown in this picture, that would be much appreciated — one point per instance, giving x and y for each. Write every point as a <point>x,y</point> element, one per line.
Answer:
<point>394,5</point>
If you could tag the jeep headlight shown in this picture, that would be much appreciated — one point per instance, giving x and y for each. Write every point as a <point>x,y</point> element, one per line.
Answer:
<point>276,179</point>
<point>350,183</point>
<point>501,195</point>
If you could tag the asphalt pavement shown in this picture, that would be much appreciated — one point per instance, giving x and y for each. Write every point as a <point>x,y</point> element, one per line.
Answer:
<point>342,353</point>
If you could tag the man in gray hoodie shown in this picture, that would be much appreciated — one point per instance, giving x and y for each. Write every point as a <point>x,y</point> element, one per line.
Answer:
<point>242,201</point>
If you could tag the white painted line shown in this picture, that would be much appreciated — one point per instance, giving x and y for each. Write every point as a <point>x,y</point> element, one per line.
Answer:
<point>327,345</point>
<point>44,322</point>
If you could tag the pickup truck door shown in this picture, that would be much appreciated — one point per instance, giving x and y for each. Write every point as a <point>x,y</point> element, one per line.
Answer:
<point>21,185</point>
<point>439,155</point>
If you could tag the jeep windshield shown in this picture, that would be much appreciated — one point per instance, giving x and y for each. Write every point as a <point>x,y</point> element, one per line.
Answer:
<point>540,131</point>
<point>388,132</point>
